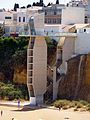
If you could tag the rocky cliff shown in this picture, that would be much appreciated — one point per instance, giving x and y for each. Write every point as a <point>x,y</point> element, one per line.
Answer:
<point>20,75</point>
<point>76,83</point>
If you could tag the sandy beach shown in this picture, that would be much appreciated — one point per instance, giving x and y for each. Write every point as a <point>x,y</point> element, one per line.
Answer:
<point>49,113</point>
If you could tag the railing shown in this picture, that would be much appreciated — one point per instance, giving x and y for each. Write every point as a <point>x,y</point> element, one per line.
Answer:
<point>54,35</point>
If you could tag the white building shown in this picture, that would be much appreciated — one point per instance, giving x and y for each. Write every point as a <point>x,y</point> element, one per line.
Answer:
<point>73,46</point>
<point>73,15</point>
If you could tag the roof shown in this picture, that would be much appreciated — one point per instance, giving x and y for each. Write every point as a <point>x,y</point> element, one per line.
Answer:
<point>81,25</point>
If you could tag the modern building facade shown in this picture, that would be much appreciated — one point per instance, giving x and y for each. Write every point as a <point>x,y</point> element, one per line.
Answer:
<point>84,4</point>
<point>73,15</point>
<point>53,13</point>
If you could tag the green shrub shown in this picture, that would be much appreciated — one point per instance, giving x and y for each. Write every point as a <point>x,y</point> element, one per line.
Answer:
<point>83,102</point>
<point>88,107</point>
<point>8,91</point>
<point>61,103</point>
<point>14,95</point>
<point>77,105</point>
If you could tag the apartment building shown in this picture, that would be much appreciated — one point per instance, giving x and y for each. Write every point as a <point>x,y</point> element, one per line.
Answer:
<point>84,4</point>
<point>53,13</point>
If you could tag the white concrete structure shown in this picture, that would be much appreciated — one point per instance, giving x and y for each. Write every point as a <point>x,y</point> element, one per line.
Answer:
<point>37,69</point>
<point>74,46</point>
<point>37,60</point>
<point>23,17</point>
<point>72,15</point>
<point>87,14</point>
<point>82,43</point>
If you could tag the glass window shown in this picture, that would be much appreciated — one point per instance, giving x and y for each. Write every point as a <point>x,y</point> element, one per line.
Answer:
<point>23,19</point>
<point>7,17</point>
<point>19,19</point>
<point>55,12</point>
<point>45,13</point>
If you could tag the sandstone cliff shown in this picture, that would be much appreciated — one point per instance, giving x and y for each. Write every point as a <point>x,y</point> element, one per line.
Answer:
<point>20,75</point>
<point>76,83</point>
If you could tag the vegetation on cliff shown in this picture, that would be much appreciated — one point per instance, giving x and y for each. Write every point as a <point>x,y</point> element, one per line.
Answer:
<point>51,51</point>
<point>11,92</point>
<point>12,56</point>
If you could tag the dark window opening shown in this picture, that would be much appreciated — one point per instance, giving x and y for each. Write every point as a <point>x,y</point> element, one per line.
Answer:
<point>7,17</point>
<point>19,19</point>
<point>23,19</point>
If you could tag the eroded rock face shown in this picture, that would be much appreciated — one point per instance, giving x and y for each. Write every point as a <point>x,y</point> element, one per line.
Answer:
<point>76,83</point>
<point>20,75</point>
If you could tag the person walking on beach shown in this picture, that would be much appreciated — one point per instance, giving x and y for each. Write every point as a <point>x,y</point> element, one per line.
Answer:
<point>19,103</point>
<point>1,112</point>
<point>60,107</point>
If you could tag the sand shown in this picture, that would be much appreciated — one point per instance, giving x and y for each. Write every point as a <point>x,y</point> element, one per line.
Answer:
<point>49,113</point>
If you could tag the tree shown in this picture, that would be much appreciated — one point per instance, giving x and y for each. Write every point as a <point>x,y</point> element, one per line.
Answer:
<point>12,52</point>
<point>16,6</point>
<point>28,6</point>
<point>23,7</point>
<point>57,1</point>
<point>49,4</point>
<point>34,4</point>
<point>1,30</point>
<point>38,3</point>
<point>41,3</point>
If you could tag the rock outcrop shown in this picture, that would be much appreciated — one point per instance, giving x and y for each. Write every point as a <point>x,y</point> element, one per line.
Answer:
<point>76,82</point>
<point>20,75</point>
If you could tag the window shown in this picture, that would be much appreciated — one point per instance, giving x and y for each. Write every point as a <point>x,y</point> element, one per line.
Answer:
<point>54,20</point>
<point>23,19</point>
<point>19,19</point>
<point>7,17</point>
<point>55,12</point>
<point>49,20</point>
<point>45,20</point>
<point>45,13</point>
<point>84,30</point>
<point>86,19</point>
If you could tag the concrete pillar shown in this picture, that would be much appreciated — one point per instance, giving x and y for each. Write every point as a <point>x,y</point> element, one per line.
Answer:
<point>32,100</point>
<point>55,84</point>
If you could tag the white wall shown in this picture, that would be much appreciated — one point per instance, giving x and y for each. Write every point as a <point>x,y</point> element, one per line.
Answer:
<point>67,52</point>
<point>82,43</point>
<point>2,16</point>
<point>72,15</point>
<point>39,23</point>
<point>52,29</point>
<point>21,14</point>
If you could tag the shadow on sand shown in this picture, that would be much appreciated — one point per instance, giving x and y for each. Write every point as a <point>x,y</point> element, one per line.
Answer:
<point>32,108</point>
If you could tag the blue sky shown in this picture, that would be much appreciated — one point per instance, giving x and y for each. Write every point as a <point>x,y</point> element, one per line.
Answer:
<point>8,4</point>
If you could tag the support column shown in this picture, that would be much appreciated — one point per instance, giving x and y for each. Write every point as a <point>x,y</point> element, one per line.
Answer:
<point>55,84</point>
